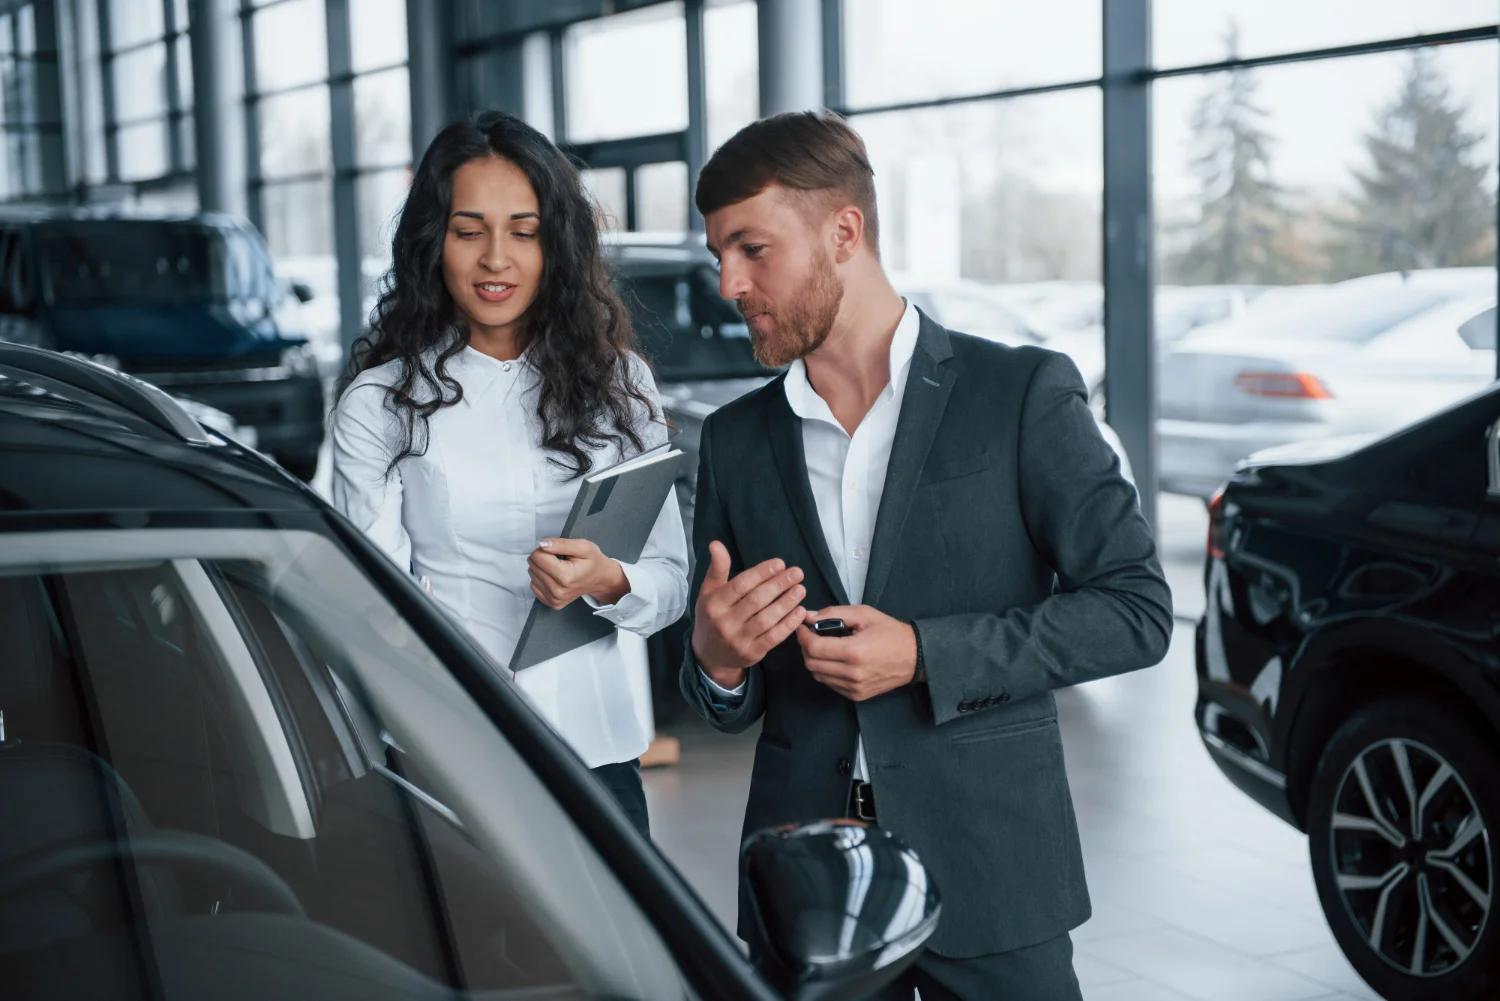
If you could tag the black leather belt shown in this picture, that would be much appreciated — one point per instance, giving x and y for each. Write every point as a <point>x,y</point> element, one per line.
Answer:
<point>862,802</point>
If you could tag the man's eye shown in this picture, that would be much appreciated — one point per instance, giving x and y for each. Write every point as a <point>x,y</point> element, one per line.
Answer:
<point>754,250</point>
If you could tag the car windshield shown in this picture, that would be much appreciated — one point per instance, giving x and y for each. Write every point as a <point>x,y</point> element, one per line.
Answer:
<point>89,262</point>
<point>1352,313</point>
<point>229,749</point>
<point>685,328</point>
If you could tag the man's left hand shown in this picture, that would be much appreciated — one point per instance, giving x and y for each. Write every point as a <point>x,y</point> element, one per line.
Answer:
<point>880,657</point>
<point>564,570</point>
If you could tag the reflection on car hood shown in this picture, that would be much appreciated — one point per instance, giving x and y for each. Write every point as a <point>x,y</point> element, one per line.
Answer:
<point>168,330</point>
<point>1312,450</point>
<point>698,399</point>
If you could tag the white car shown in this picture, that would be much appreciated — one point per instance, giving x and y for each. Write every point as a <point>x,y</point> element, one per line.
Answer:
<point>1366,355</point>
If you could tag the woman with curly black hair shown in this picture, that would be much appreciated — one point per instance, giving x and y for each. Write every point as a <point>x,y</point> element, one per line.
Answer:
<point>498,371</point>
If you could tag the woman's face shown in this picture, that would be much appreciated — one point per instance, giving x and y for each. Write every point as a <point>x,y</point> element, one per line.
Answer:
<point>492,257</point>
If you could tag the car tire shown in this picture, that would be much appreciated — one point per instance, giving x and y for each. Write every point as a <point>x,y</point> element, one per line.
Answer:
<point>1407,884</point>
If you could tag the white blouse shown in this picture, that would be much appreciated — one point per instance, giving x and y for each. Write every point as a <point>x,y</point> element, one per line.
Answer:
<point>468,513</point>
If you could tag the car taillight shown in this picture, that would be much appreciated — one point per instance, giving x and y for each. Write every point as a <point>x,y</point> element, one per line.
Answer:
<point>1283,385</point>
<point>1216,526</point>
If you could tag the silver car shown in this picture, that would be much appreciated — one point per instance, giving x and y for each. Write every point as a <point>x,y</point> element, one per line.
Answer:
<point>1359,357</point>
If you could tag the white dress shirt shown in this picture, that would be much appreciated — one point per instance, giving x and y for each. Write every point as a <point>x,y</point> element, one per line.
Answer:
<point>847,473</point>
<point>469,512</point>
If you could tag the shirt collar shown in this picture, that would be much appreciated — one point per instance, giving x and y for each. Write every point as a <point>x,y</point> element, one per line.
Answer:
<point>476,371</point>
<point>806,403</point>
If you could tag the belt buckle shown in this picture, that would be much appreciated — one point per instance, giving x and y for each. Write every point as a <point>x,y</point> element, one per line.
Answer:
<point>864,806</point>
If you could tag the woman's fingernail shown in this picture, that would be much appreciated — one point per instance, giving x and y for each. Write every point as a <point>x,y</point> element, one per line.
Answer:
<point>544,544</point>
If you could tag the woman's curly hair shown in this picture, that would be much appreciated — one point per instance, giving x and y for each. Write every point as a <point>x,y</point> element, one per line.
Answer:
<point>578,333</point>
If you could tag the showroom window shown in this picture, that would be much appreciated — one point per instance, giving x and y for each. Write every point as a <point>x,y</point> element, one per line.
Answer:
<point>20,169</point>
<point>295,90</point>
<point>1345,201</point>
<point>147,86</point>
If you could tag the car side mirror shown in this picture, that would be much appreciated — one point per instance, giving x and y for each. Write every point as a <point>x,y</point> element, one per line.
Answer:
<point>302,291</point>
<point>841,908</point>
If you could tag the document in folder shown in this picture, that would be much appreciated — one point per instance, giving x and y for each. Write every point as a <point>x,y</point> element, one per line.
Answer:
<point>615,509</point>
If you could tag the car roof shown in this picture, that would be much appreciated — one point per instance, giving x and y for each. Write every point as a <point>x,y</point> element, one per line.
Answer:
<point>77,438</point>
<point>41,214</point>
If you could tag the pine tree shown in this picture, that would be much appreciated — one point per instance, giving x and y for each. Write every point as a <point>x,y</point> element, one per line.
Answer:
<point>1423,200</point>
<point>1241,208</point>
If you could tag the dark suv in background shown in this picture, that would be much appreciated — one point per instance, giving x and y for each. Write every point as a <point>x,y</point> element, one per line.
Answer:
<point>189,303</point>
<point>1349,681</point>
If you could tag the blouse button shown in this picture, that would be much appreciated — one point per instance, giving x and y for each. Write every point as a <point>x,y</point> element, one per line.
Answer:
<point>505,367</point>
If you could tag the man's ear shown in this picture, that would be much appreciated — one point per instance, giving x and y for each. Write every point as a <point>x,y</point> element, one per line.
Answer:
<point>848,232</point>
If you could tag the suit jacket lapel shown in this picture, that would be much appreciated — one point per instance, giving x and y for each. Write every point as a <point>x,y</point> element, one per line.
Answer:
<point>928,385</point>
<point>786,445</point>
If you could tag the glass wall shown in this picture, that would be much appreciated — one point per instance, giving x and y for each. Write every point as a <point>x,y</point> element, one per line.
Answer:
<point>990,206</point>
<point>147,83</point>
<point>20,167</point>
<point>290,83</point>
<point>1325,230</point>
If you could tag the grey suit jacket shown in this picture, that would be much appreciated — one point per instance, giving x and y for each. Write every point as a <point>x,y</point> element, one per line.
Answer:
<point>1007,534</point>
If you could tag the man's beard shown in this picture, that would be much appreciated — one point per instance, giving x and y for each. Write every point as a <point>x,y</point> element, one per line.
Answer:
<point>801,327</point>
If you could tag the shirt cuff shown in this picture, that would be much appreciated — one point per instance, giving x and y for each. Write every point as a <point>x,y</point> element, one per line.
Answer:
<point>635,608</point>
<point>721,697</point>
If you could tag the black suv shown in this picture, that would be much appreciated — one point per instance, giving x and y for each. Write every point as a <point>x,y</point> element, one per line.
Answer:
<point>188,303</point>
<point>1349,681</point>
<point>243,756</point>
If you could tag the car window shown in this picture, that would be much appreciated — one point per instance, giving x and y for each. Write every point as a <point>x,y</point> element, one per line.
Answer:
<point>685,329</point>
<point>229,745</point>
<point>1479,332</point>
<point>94,262</point>
<point>15,273</point>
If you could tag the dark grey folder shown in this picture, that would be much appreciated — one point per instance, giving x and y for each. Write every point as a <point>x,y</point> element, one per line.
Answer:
<point>615,509</point>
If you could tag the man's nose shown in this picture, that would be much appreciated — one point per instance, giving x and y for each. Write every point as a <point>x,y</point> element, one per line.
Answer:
<point>732,282</point>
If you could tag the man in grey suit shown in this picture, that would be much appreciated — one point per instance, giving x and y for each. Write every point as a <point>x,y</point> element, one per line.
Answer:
<point>950,499</point>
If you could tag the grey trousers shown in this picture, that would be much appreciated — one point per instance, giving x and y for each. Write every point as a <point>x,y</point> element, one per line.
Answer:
<point>1036,973</point>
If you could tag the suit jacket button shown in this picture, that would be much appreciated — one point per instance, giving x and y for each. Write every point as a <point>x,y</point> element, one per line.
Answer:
<point>1004,699</point>
<point>963,707</point>
<point>845,766</point>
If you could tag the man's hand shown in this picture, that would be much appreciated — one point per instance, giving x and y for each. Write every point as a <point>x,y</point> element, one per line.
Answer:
<point>564,570</point>
<point>737,622</point>
<point>880,657</point>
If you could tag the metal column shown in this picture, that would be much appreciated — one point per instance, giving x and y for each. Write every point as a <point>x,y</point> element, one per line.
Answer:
<point>346,241</point>
<point>791,55</point>
<point>429,58</point>
<point>697,93</point>
<point>219,128</point>
<point>1129,266</point>
<point>52,148</point>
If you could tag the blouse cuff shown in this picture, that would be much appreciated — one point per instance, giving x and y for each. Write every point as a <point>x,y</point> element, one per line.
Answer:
<point>635,610</point>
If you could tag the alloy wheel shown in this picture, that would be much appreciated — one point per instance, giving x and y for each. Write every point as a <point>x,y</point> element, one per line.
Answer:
<point>1411,857</point>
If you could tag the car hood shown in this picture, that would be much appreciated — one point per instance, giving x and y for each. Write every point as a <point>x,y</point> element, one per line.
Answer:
<point>1312,450</point>
<point>162,331</point>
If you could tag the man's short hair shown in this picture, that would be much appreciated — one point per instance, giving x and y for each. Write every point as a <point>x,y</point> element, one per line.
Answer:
<point>814,152</point>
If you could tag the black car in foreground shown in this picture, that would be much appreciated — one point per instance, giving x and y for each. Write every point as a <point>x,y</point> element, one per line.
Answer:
<point>1349,680</point>
<point>243,755</point>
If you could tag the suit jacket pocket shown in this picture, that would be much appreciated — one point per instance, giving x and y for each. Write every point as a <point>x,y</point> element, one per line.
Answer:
<point>1004,731</point>
<point>955,467</point>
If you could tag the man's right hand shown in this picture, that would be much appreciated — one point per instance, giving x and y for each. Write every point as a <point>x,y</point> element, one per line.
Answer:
<point>737,622</point>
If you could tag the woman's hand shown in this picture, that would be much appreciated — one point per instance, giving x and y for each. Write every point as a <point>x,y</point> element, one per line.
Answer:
<point>564,570</point>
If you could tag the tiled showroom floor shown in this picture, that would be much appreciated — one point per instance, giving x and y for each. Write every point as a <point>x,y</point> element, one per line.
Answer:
<point>1198,893</point>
